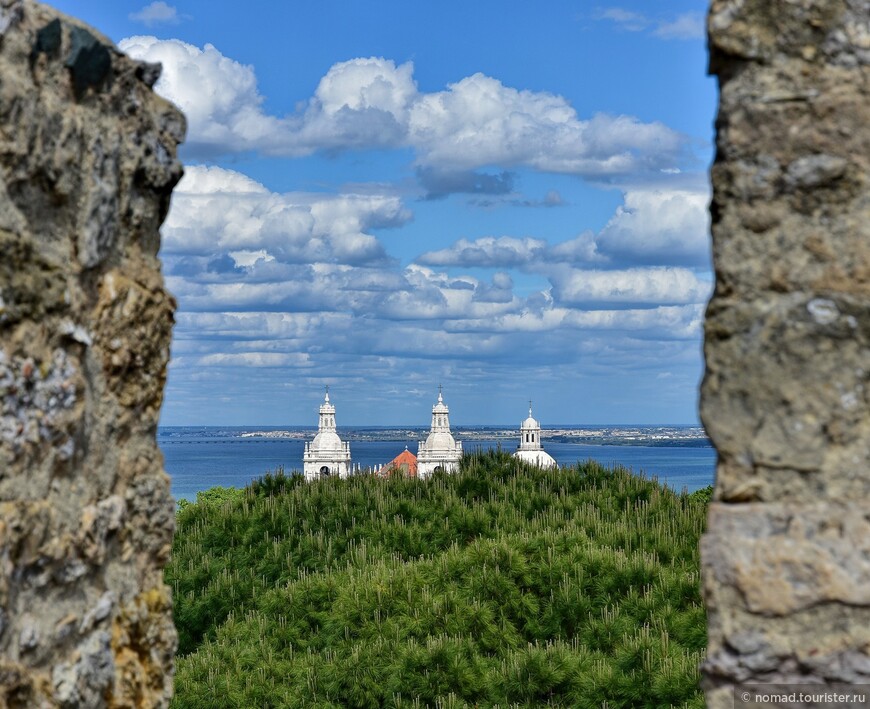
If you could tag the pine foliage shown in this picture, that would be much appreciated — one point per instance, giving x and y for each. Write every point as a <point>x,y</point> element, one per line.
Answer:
<point>503,585</point>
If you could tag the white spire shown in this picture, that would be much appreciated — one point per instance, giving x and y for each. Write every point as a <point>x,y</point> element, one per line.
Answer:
<point>440,412</point>
<point>327,414</point>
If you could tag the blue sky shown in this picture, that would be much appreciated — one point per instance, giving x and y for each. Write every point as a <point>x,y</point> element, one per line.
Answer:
<point>508,199</point>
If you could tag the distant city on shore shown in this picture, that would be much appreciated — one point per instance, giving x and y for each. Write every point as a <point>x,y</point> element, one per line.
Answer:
<point>643,435</point>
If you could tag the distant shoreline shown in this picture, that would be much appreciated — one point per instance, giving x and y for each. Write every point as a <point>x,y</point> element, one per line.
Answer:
<point>664,436</point>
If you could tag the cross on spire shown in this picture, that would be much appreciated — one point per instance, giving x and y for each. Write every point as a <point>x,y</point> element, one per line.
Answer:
<point>530,407</point>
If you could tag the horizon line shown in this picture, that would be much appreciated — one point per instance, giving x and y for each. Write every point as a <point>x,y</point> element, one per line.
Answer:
<point>405,425</point>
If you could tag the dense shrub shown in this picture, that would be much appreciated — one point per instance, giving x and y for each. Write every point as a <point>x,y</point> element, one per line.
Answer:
<point>502,585</point>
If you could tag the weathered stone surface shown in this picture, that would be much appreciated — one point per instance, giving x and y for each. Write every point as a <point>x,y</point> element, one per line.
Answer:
<point>786,395</point>
<point>87,165</point>
<point>791,419</point>
<point>782,558</point>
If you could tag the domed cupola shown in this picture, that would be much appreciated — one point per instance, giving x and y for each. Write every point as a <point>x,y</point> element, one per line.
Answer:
<point>530,433</point>
<point>530,448</point>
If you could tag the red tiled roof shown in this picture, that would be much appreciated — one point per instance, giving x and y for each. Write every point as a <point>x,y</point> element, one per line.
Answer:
<point>405,462</point>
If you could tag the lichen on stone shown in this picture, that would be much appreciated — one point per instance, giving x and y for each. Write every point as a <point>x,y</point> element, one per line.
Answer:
<point>33,396</point>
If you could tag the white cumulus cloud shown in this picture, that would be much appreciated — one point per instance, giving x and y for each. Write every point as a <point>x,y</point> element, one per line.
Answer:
<point>256,359</point>
<point>500,252</point>
<point>664,321</point>
<point>652,286</point>
<point>156,13</point>
<point>218,95</point>
<point>653,226</point>
<point>373,103</point>
<point>432,295</point>
<point>360,84</point>
<point>664,226</point>
<point>218,211</point>
<point>479,121</point>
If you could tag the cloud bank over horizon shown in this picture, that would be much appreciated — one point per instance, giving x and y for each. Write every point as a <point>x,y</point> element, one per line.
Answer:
<point>431,268</point>
<point>301,286</point>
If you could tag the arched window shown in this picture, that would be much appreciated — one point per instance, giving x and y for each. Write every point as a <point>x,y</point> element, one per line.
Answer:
<point>324,472</point>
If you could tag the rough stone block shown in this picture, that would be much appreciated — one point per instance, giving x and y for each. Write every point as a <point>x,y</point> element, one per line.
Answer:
<point>786,394</point>
<point>783,558</point>
<point>787,397</point>
<point>87,166</point>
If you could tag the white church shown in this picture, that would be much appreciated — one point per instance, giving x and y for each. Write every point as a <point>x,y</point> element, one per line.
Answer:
<point>439,451</point>
<point>327,455</point>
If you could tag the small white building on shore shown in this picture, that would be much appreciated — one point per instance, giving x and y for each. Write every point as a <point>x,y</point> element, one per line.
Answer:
<point>327,454</point>
<point>439,451</point>
<point>530,449</point>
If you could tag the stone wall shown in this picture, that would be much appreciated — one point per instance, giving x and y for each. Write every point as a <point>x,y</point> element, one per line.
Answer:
<point>87,165</point>
<point>786,559</point>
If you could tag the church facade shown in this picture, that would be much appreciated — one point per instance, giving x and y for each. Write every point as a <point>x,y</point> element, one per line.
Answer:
<point>440,451</point>
<point>327,454</point>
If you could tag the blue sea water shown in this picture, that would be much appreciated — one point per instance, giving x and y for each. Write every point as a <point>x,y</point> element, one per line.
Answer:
<point>198,458</point>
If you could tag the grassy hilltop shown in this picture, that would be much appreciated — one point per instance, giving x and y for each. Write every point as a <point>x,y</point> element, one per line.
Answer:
<point>502,585</point>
